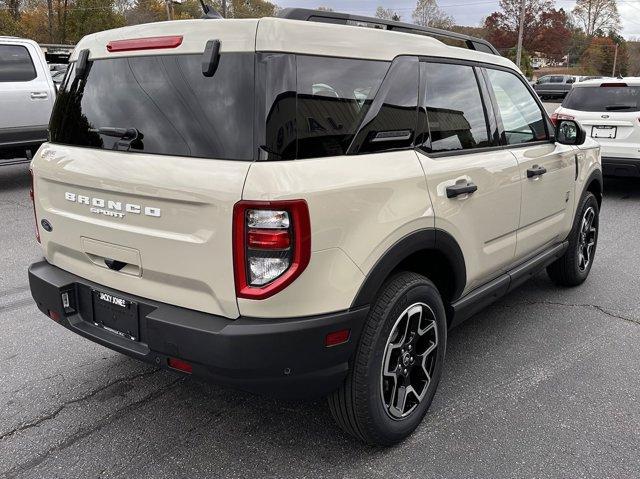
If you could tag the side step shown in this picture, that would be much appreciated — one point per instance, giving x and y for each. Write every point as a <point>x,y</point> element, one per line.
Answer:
<point>483,296</point>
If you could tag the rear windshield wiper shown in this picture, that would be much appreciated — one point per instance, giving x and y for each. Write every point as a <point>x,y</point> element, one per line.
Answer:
<point>122,133</point>
<point>619,107</point>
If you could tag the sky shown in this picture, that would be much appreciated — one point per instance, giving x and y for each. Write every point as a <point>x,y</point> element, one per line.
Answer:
<point>465,12</point>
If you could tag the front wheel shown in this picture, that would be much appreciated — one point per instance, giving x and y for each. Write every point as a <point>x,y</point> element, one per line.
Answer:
<point>574,266</point>
<point>398,363</point>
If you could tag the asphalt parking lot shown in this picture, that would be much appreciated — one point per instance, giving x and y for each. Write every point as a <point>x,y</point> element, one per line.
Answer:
<point>544,383</point>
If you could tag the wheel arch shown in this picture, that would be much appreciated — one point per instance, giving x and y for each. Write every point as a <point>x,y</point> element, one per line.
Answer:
<point>595,185</point>
<point>431,252</point>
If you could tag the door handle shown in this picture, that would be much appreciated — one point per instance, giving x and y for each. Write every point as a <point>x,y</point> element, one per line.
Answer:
<point>38,95</point>
<point>460,189</point>
<point>536,170</point>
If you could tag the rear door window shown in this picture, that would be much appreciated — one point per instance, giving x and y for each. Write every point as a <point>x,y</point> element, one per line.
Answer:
<point>16,64</point>
<point>455,111</point>
<point>521,115</point>
<point>333,97</point>
<point>160,104</point>
<point>392,120</point>
<point>605,98</point>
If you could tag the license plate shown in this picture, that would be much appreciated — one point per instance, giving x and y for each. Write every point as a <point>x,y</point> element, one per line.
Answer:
<point>115,314</point>
<point>604,132</point>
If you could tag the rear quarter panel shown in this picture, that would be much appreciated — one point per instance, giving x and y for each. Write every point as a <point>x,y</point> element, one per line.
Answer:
<point>359,207</point>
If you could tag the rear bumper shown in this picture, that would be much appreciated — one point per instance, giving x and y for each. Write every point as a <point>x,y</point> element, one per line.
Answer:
<point>282,358</point>
<point>612,166</point>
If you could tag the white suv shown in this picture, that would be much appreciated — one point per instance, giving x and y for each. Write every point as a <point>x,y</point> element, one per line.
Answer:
<point>609,110</point>
<point>302,208</point>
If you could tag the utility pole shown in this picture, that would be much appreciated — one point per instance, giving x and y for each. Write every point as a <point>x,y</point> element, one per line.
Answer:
<point>520,33</point>
<point>615,60</point>
<point>224,8</point>
<point>167,4</point>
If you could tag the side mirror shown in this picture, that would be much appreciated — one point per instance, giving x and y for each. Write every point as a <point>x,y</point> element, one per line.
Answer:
<point>569,132</point>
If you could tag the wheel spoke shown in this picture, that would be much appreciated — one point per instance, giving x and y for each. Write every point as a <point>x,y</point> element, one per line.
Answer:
<point>406,367</point>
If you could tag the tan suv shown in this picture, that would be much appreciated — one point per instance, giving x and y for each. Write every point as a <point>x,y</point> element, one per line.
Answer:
<point>302,207</point>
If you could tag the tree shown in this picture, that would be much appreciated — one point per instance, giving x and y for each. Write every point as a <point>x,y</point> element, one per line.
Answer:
<point>325,9</point>
<point>525,61</point>
<point>597,16</point>
<point>553,34</point>
<point>502,26</point>
<point>251,9</point>
<point>428,14</point>
<point>387,14</point>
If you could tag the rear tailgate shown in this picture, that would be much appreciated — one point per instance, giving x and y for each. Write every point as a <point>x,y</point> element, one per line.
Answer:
<point>179,252</point>
<point>147,158</point>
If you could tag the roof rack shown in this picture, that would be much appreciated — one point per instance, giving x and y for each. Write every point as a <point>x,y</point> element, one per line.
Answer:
<point>307,15</point>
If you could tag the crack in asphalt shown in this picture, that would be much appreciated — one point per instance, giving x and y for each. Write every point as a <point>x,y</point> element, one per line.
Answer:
<point>585,305</point>
<point>53,414</point>
<point>17,304</point>
<point>78,436</point>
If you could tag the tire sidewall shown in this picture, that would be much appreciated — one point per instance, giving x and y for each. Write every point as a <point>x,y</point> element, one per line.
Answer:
<point>589,200</point>
<point>393,430</point>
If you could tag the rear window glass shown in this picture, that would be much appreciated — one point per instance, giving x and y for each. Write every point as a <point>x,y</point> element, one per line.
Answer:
<point>455,112</point>
<point>609,98</point>
<point>333,96</point>
<point>161,105</point>
<point>15,64</point>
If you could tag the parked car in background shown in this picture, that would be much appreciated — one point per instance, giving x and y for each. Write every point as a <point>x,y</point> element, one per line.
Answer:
<point>608,109</point>
<point>554,86</point>
<point>27,93</point>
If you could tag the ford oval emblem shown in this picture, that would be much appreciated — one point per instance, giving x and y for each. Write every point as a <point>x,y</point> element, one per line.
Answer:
<point>604,116</point>
<point>46,225</point>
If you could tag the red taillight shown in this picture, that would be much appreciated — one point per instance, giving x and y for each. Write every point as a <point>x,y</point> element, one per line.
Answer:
<point>180,365</point>
<point>149,43</point>
<point>560,116</point>
<point>337,337</point>
<point>268,239</point>
<point>55,316</point>
<point>32,195</point>
<point>271,245</point>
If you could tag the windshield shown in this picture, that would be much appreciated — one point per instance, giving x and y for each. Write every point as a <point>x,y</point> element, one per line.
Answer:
<point>608,98</point>
<point>161,105</point>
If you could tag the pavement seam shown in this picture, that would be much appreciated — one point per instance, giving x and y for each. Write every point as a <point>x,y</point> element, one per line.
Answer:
<point>78,436</point>
<point>63,406</point>
<point>585,305</point>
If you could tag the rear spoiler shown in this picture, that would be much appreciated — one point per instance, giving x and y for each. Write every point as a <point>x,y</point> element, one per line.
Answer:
<point>307,15</point>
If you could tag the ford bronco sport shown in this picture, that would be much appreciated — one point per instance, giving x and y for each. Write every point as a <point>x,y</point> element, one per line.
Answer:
<point>301,206</point>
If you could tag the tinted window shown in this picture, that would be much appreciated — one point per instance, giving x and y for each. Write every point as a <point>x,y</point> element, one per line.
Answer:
<point>276,123</point>
<point>455,112</point>
<point>15,64</point>
<point>607,98</point>
<point>391,121</point>
<point>333,98</point>
<point>521,116</point>
<point>166,101</point>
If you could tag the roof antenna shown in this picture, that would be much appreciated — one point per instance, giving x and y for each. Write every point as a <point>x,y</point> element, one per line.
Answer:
<point>209,12</point>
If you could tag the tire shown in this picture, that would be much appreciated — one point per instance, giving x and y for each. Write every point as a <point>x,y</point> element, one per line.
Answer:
<point>368,405</point>
<point>574,266</point>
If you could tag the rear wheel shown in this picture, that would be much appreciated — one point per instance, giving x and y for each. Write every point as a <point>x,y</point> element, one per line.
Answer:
<point>398,363</point>
<point>574,266</point>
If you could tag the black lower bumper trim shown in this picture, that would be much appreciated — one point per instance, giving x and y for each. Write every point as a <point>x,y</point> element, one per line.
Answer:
<point>612,166</point>
<point>279,357</point>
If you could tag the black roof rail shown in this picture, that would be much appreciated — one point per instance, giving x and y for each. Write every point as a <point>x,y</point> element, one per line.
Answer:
<point>322,16</point>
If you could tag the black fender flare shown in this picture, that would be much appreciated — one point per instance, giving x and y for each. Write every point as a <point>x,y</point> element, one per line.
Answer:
<point>421,240</point>
<point>596,175</point>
